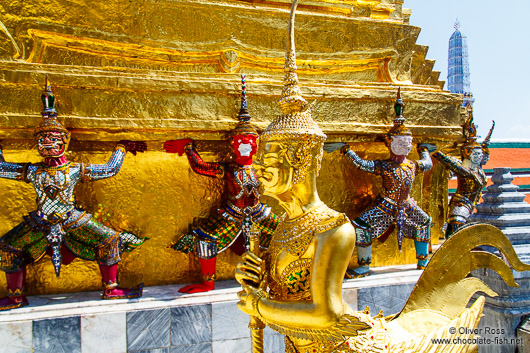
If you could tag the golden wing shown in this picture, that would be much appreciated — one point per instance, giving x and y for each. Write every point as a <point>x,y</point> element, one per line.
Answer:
<point>347,326</point>
<point>443,286</point>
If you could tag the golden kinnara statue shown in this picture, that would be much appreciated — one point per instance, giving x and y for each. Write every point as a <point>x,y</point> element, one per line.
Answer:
<point>295,287</point>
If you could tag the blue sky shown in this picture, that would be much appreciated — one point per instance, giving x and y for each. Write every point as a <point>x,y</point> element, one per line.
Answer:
<point>498,37</point>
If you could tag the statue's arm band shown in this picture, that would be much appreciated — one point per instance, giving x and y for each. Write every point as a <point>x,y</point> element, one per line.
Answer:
<point>199,166</point>
<point>363,164</point>
<point>107,170</point>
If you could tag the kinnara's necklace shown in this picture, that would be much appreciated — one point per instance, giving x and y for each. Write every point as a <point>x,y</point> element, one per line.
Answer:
<point>288,231</point>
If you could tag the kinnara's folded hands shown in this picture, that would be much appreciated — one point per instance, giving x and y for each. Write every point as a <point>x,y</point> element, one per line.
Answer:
<point>250,270</point>
<point>250,273</point>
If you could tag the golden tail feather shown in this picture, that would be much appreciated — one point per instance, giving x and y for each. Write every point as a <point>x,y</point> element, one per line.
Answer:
<point>448,338</point>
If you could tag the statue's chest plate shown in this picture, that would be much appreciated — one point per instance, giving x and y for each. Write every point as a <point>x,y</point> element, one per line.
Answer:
<point>398,179</point>
<point>55,187</point>
<point>283,256</point>
<point>473,183</point>
<point>292,249</point>
<point>52,182</point>
<point>291,274</point>
<point>242,181</point>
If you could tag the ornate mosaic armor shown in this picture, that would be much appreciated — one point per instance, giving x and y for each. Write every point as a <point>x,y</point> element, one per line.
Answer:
<point>393,206</point>
<point>223,227</point>
<point>470,176</point>
<point>57,221</point>
<point>241,213</point>
<point>58,227</point>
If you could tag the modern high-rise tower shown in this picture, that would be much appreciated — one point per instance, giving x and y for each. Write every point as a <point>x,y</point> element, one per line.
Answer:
<point>458,69</point>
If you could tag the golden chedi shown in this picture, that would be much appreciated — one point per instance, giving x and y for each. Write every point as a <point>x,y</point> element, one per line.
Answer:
<point>295,287</point>
<point>154,71</point>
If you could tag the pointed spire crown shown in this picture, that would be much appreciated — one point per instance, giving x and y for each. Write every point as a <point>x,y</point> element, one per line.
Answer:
<point>469,130</point>
<point>486,143</point>
<point>296,121</point>
<point>243,112</point>
<point>244,127</point>
<point>49,114</point>
<point>48,99</point>
<point>295,128</point>
<point>399,128</point>
<point>291,100</point>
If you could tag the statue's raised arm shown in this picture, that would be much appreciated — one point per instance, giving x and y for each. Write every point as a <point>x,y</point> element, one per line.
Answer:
<point>14,171</point>
<point>197,164</point>
<point>92,172</point>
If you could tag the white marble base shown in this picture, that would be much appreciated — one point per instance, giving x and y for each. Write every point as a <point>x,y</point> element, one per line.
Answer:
<point>16,337</point>
<point>90,303</point>
<point>104,333</point>
<point>164,320</point>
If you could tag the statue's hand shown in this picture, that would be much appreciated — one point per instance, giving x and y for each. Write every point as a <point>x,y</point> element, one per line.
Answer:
<point>248,300</point>
<point>176,146</point>
<point>249,270</point>
<point>333,146</point>
<point>133,146</point>
<point>427,146</point>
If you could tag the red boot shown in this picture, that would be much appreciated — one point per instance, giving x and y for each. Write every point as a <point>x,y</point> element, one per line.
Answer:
<point>16,282</point>
<point>208,278</point>
<point>110,282</point>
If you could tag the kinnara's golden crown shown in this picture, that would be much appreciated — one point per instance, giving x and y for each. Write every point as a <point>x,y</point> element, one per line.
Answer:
<point>296,123</point>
